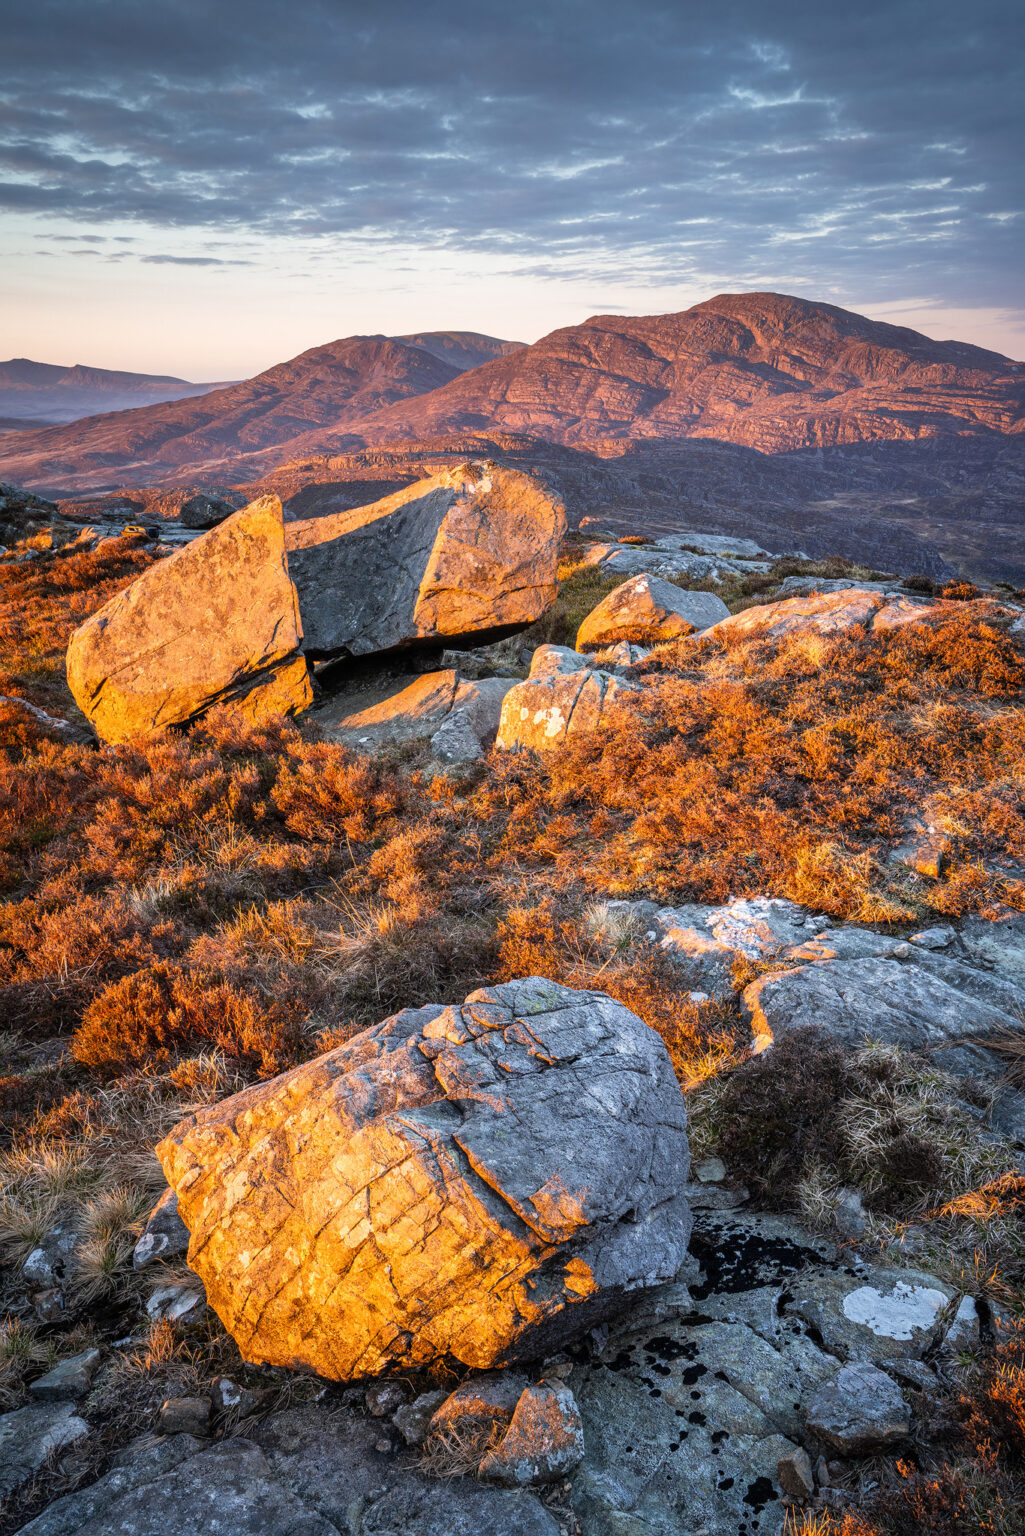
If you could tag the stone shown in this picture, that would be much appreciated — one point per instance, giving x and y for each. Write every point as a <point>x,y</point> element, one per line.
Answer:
<point>383,1398</point>
<point>204,510</point>
<point>164,1237</point>
<point>649,611</point>
<point>484,1402</point>
<point>557,661</point>
<point>875,1314</point>
<point>469,554</point>
<point>216,622</point>
<point>455,742</point>
<point>28,1436</point>
<point>544,712</point>
<point>829,613</point>
<point>962,1337</point>
<point>481,1182</point>
<point>228,1397</point>
<point>417,710</point>
<point>934,938</point>
<point>544,1441</point>
<point>48,1305</point>
<point>413,1420</point>
<point>710,1170</point>
<point>67,1381</point>
<point>622,655</point>
<point>54,1260</point>
<point>176,1302</point>
<point>850,1215</point>
<point>859,1411</point>
<point>795,1474</point>
<point>185,1416</point>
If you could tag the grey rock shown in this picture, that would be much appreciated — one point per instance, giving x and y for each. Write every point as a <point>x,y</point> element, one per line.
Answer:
<point>455,741</point>
<point>716,1197</point>
<point>53,1261</point>
<point>204,510</point>
<point>68,1380</point>
<point>963,1335</point>
<point>176,1302</point>
<point>850,1215</point>
<point>543,712</point>
<point>413,1420</point>
<point>557,661</point>
<point>29,1435</point>
<point>544,1441</point>
<point>185,1416</point>
<point>48,1305</point>
<point>874,1314</point>
<point>710,1170</point>
<point>485,1400</point>
<point>399,709</point>
<point>228,1396</point>
<point>934,938</point>
<point>795,1475</point>
<point>859,1411</point>
<point>383,1397</point>
<point>164,1237</point>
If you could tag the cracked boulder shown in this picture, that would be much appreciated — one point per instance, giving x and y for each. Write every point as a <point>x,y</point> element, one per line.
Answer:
<point>469,554</point>
<point>649,611</point>
<point>217,622</point>
<point>563,696</point>
<point>479,1182</point>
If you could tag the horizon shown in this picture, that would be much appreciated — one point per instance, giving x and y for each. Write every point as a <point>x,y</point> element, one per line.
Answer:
<point>202,193</point>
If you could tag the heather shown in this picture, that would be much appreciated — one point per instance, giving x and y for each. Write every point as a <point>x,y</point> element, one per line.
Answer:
<point>206,908</point>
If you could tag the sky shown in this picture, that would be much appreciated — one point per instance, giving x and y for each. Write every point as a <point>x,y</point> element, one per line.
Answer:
<point>207,187</point>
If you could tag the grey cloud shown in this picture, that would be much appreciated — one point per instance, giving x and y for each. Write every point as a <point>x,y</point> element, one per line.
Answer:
<point>195,261</point>
<point>866,149</point>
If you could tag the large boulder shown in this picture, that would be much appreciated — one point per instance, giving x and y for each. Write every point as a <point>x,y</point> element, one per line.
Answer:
<point>470,553</point>
<point>824,613</point>
<point>648,611</point>
<point>479,1182</point>
<point>216,622</point>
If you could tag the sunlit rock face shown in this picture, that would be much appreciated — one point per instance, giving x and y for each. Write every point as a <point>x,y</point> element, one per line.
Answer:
<point>477,1183</point>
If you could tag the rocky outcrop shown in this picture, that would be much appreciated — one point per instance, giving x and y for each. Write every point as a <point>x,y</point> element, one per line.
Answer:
<point>479,1182</point>
<point>471,552</point>
<point>459,717</point>
<point>216,622</point>
<point>564,696</point>
<point>649,611</point>
<point>204,510</point>
<point>822,613</point>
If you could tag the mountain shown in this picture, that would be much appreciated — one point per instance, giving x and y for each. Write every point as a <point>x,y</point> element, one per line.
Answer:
<point>755,413</point>
<point>327,388</point>
<point>35,393</point>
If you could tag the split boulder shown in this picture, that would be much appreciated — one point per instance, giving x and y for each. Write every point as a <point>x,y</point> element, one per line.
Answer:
<point>480,1182</point>
<point>217,622</point>
<point>563,696</point>
<point>646,610</point>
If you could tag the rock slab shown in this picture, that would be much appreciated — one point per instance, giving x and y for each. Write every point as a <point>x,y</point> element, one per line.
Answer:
<point>646,610</point>
<point>480,1182</point>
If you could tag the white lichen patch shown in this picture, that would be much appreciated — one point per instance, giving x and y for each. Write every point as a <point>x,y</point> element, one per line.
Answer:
<point>896,1315</point>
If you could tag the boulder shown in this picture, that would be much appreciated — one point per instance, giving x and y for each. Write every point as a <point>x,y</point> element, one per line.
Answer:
<point>471,553</point>
<point>204,510</point>
<point>547,709</point>
<point>484,1402</point>
<point>216,622</point>
<point>648,611</point>
<point>824,613</point>
<point>479,1182</point>
<point>67,1381</point>
<point>861,1410</point>
<point>466,712</point>
<point>878,1314</point>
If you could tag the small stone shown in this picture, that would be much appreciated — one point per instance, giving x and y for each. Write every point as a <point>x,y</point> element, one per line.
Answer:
<point>963,1334</point>
<point>486,1399</point>
<point>68,1380</point>
<point>934,938</point>
<point>850,1215</point>
<point>185,1416</point>
<point>716,1197</point>
<point>794,1474</point>
<point>383,1398</point>
<point>822,1472</point>
<point>229,1397</point>
<point>382,1446</point>
<point>413,1420</point>
<point>858,1411</point>
<point>164,1237</point>
<point>711,1170</point>
<point>49,1305</point>
<point>175,1302</point>
<point>544,1441</point>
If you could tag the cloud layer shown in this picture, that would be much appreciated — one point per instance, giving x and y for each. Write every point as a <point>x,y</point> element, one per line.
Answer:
<point>870,150</point>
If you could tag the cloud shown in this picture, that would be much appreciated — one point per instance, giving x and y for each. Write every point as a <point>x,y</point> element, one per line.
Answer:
<point>194,261</point>
<point>871,149</point>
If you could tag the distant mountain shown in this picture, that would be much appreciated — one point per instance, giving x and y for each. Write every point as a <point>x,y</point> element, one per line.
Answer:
<point>33,393</point>
<point>755,409</point>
